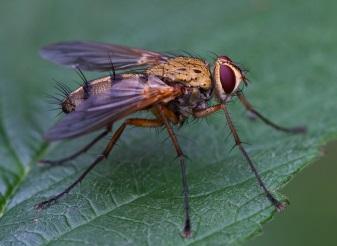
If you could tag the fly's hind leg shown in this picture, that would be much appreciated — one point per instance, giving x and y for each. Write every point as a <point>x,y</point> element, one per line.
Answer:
<point>268,122</point>
<point>78,153</point>
<point>132,122</point>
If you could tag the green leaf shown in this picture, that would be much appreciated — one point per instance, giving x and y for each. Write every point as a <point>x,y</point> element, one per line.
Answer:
<point>135,196</point>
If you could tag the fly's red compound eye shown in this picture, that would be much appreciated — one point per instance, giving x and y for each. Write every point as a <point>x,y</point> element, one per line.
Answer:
<point>227,79</point>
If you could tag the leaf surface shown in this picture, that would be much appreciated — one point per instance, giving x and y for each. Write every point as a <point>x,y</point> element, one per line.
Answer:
<point>135,196</point>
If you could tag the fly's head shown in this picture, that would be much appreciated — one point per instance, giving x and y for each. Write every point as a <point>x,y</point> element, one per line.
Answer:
<point>227,77</point>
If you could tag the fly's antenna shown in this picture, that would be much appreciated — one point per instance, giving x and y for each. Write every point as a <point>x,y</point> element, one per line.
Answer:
<point>85,85</point>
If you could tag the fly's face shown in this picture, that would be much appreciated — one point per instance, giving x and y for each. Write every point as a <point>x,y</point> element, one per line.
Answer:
<point>227,77</point>
<point>190,71</point>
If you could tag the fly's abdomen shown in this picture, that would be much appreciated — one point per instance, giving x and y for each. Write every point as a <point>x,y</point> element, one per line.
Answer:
<point>91,88</point>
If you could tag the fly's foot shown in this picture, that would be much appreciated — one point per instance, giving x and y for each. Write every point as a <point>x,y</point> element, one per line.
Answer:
<point>45,204</point>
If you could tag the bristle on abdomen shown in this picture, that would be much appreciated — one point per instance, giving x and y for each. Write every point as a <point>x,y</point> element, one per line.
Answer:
<point>93,88</point>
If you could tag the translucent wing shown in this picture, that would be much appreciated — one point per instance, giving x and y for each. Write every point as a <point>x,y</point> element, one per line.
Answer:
<point>99,56</point>
<point>127,95</point>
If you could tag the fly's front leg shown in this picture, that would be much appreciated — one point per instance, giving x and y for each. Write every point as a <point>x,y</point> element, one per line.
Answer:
<point>133,122</point>
<point>205,112</point>
<point>252,110</point>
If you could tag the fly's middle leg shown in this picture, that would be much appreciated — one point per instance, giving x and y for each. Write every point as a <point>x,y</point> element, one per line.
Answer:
<point>164,114</point>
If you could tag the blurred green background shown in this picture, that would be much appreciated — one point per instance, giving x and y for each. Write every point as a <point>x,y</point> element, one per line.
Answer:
<point>311,218</point>
<point>170,25</point>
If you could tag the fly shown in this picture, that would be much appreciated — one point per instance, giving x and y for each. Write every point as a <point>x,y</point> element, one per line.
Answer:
<point>173,88</point>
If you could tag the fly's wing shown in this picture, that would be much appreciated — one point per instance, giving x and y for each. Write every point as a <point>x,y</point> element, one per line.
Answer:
<point>127,95</point>
<point>99,56</point>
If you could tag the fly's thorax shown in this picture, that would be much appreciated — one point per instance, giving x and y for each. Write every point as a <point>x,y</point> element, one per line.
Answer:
<point>192,99</point>
<point>190,71</point>
<point>91,88</point>
<point>227,77</point>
